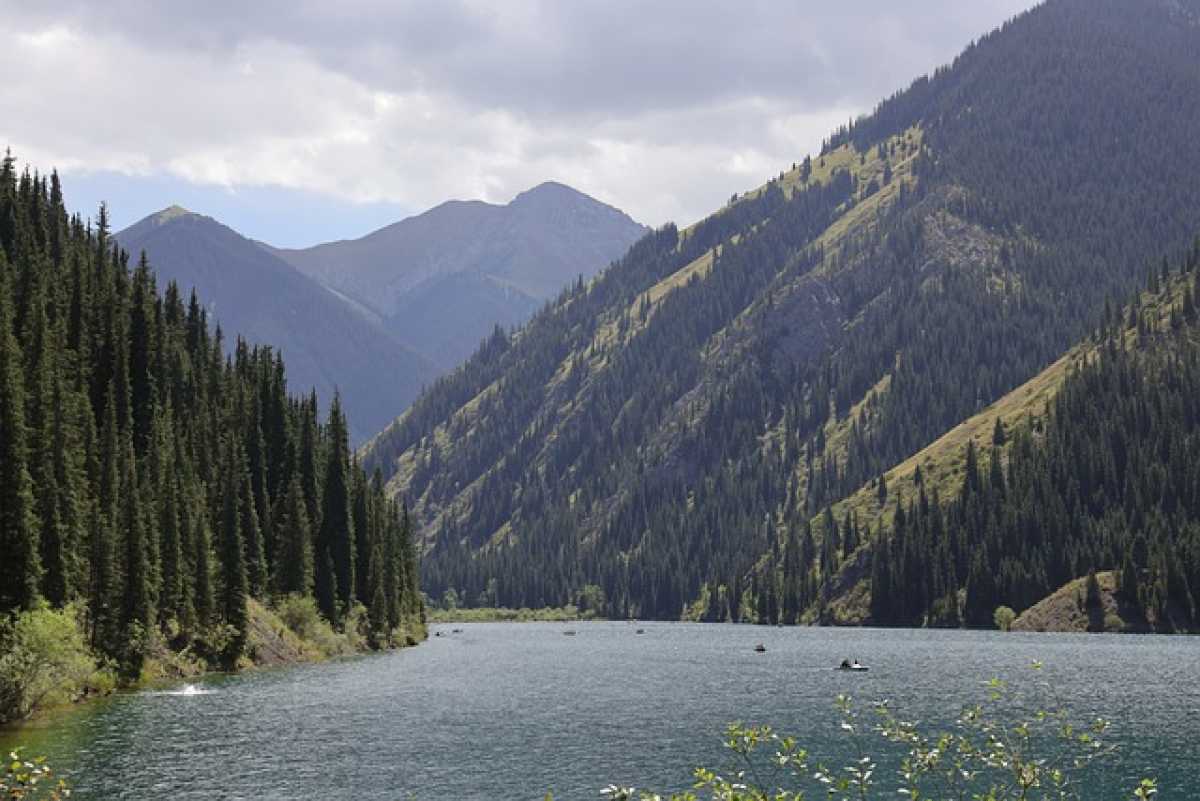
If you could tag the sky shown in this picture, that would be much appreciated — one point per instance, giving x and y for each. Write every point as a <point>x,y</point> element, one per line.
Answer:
<point>304,121</point>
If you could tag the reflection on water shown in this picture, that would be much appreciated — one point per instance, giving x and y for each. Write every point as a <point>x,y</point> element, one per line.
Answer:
<point>501,711</point>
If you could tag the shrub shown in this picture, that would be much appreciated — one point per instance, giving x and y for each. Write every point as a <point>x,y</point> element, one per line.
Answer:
<point>300,614</point>
<point>45,660</point>
<point>355,627</point>
<point>990,754</point>
<point>1004,617</point>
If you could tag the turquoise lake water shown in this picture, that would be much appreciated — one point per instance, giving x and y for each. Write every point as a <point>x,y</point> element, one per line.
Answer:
<point>512,710</point>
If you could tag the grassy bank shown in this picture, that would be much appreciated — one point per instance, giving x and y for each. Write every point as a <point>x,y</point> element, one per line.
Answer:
<point>46,660</point>
<point>1103,608</point>
<point>502,614</point>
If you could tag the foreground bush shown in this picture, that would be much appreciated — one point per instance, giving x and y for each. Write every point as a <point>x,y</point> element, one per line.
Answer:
<point>45,660</point>
<point>989,754</point>
<point>30,780</point>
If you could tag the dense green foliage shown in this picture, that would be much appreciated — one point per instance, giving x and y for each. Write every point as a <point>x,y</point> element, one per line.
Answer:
<point>1106,479</point>
<point>45,660</point>
<point>1010,748</point>
<point>151,478</point>
<point>676,451</point>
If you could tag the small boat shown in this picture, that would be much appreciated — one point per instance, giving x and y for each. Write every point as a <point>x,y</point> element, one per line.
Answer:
<point>641,631</point>
<point>569,632</point>
<point>456,631</point>
<point>855,666</point>
<point>760,648</point>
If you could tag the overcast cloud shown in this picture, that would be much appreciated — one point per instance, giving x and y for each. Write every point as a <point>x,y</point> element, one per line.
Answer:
<point>660,108</point>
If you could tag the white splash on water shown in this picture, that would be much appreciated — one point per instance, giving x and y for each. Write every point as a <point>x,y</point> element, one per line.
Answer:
<point>187,689</point>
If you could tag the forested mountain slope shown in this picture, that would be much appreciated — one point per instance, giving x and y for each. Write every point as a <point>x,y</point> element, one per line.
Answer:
<point>152,485</point>
<point>440,281</point>
<point>673,425</point>
<point>253,294</point>
<point>1103,476</point>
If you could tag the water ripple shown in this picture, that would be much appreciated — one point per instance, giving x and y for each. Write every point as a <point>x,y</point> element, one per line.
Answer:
<point>504,711</point>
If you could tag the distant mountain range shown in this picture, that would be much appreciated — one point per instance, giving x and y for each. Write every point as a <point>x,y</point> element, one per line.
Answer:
<point>380,317</point>
<point>440,281</point>
<point>250,292</point>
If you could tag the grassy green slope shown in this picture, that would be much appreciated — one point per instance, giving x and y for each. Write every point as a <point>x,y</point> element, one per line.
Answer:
<point>942,467</point>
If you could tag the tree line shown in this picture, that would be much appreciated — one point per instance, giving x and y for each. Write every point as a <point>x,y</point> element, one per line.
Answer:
<point>156,474</point>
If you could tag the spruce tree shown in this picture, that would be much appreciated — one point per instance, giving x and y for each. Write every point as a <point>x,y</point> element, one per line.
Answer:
<point>42,381</point>
<point>63,558</point>
<point>336,539</point>
<point>377,608</point>
<point>256,561</point>
<point>203,592</point>
<point>414,605</point>
<point>257,460</point>
<point>234,589</point>
<point>393,558</point>
<point>982,597</point>
<point>102,595</point>
<point>1129,578</point>
<point>136,612</point>
<point>364,533</point>
<point>20,568</point>
<point>325,584</point>
<point>171,550</point>
<point>294,555</point>
<point>310,478</point>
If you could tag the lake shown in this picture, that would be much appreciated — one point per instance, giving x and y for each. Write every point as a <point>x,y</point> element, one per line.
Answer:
<point>511,710</point>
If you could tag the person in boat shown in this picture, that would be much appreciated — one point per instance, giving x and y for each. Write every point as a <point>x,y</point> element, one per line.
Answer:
<point>845,664</point>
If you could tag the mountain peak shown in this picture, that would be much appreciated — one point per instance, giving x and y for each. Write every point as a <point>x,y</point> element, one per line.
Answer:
<point>551,192</point>
<point>517,255</point>
<point>172,212</point>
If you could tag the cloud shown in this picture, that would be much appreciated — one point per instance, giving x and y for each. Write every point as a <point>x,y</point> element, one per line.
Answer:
<point>663,109</point>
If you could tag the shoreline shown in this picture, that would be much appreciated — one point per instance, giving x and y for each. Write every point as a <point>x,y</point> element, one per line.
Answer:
<point>488,614</point>
<point>555,615</point>
<point>273,645</point>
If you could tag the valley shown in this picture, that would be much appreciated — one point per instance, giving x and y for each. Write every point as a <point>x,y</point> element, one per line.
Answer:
<point>701,430</point>
<point>515,496</point>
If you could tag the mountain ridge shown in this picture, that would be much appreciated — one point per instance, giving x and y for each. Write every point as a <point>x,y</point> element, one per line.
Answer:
<point>662,431</point>
<point>251,293</point>
<point>526,251</point>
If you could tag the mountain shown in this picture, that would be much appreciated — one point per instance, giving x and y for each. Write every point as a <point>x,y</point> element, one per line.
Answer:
<point>442,280</point>
<point>684,434</point>
<point>254,294</point>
